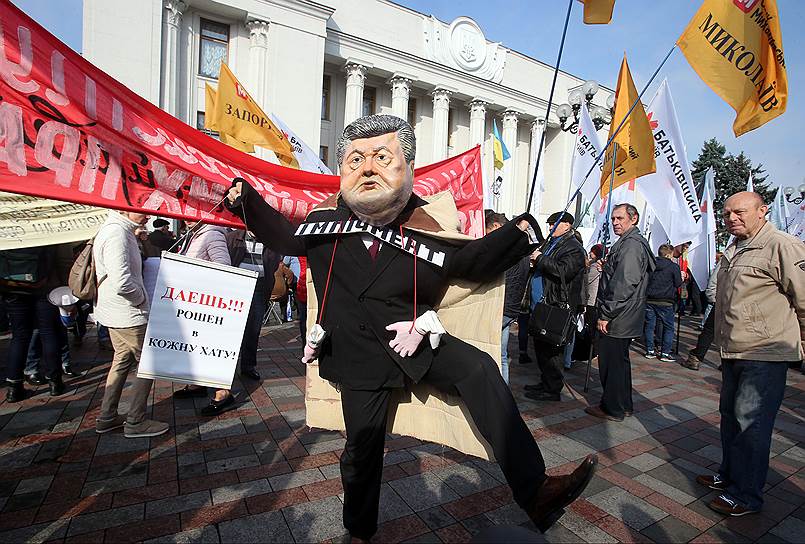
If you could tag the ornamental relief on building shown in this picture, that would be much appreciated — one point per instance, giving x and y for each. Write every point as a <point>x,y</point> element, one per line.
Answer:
<point>462,45</point>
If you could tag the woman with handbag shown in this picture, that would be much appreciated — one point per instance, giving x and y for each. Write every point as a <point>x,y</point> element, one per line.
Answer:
<point>555,294</point>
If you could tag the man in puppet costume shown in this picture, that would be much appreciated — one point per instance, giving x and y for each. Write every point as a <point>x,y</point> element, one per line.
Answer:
<point>381,260</point>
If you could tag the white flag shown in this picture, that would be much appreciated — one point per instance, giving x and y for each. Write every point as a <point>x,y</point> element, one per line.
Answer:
<point>750,185</point>
<point>798,222</point>
<point>624,194</point>
<point>702,251</point>
<point>670,190</point>
<point>780,215</point>
<point>588,147</point>
<point>307,159</point>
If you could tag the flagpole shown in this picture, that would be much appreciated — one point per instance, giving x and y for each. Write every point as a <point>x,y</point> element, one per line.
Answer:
<point>609,196</point>
<point>603,255</point>
<point>548,109</point>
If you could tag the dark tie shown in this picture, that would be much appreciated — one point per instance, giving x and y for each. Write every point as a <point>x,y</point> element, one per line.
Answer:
<point>374,248</point>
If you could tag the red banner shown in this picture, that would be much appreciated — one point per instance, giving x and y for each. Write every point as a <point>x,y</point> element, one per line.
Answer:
<point>68,131</point>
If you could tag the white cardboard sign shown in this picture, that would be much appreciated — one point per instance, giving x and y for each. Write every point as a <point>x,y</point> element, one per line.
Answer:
<point>195,328</point>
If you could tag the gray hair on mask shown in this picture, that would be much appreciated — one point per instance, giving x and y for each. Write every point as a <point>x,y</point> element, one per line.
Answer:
<point>377,125</point>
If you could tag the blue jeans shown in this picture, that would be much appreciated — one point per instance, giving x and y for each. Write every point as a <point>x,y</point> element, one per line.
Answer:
<point>751,394</point>
<point>35,353</point>
<point>504,347</point>
<point>665,314</point>
<point>26,313</point>
<point>568,352</point>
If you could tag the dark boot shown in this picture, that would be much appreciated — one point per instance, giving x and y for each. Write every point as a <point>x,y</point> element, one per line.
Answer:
<point>559,491</point>
<point>16,392</point>
<point>56,385</point>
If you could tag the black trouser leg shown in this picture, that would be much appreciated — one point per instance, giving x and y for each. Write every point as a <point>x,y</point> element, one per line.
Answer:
<point>365,414</point>
<point>551,364</point>
<point>459,368</point>
<point>616,375</point>
<point>522,332</point>
<point>705,339</point>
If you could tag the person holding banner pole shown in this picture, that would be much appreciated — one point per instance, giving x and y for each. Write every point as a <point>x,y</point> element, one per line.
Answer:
<point>208,243</point>
<point>122,306</point>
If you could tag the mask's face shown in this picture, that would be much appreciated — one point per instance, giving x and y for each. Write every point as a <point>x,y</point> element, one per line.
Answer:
<point>376,182</point>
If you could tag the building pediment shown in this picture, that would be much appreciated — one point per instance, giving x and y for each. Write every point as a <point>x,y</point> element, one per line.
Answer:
<point>462,45</point>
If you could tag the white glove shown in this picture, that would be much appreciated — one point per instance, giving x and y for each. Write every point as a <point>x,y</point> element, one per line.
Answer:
<point>429,323</point>
<point>315,338</point>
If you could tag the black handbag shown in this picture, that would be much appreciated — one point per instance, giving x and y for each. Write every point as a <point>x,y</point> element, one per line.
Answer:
<point>553,324</point>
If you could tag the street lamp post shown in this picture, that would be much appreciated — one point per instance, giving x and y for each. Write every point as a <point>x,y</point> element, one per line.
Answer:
<point>789,193</point>
<point>600,116</point>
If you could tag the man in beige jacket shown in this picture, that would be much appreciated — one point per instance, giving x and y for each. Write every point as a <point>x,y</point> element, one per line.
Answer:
<point>760,328</point>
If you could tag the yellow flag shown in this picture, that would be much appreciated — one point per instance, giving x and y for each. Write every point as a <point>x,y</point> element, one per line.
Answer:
<point>598,12</point>
<point>736,47</point>
<point>635,140</point>
<point>210,97</point>
<point>239,116</point>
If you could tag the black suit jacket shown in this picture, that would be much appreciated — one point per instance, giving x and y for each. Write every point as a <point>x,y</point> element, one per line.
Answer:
<point>365,296</point>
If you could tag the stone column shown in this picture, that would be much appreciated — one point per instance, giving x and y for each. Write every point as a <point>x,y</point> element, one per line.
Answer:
<point>477,121</point>
<point>171,19</point>
<point>537,128</point>
<point>258,58</point>
<point>509,136</point>
<point>353,107</point>
<point>400,90</point>
<point>441,111</point>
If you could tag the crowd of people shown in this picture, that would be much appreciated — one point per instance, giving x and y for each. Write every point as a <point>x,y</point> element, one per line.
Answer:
<point>41,312</point>
<point>570,303</point>
<point>757,318</point>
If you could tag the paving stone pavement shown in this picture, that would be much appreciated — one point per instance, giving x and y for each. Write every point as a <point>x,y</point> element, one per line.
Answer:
<point>258,474</point>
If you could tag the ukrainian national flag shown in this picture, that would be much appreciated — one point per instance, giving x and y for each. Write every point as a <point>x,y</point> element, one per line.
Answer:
<point>501,153</point>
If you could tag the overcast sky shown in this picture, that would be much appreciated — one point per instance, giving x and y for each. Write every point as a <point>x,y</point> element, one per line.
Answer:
<point>534,27</point>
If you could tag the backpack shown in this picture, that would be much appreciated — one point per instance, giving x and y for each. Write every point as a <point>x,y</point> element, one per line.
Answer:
<point>82,280</point>
<point>23,269</point>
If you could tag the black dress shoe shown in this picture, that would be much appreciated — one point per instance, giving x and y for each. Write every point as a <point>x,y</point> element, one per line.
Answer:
<point>543,395</point>
<point>216,407</point>
<point>70,372</point>
<point>56,386</point>
<point>252,374</point>
<point>539,387</point>
<point>35,379</point>
<point>188,392</point>
<point>16,392</point>
<point>557,492</point>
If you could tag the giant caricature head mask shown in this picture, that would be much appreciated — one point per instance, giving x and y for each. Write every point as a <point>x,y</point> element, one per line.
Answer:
<point>376,156</point>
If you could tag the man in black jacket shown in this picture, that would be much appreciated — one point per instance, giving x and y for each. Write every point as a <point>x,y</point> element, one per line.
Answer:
<point>162,238</point>
<point>621,311</point>
<point>557,281</point>
<point>372,305</point>
<point>663,285</point>
<point>516,279</point>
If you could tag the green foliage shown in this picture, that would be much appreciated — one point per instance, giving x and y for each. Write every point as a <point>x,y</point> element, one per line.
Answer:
<point>731,175</point>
